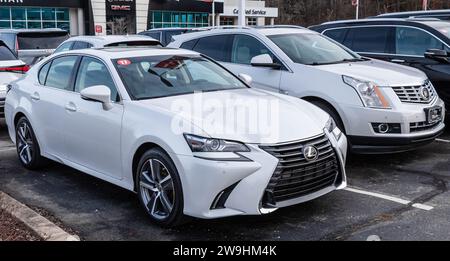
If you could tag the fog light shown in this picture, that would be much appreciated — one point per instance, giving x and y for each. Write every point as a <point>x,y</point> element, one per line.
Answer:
<point>387,128</point>
<point>383,128</point>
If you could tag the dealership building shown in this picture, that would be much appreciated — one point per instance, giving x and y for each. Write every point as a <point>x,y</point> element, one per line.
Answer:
<point>101,17</point>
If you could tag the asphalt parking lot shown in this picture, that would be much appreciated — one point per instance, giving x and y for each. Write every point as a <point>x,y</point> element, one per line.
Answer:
<point>391,197</point>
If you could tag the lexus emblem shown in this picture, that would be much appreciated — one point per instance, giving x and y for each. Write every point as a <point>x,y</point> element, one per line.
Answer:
<point>425,93</point>
<point>311,153</point>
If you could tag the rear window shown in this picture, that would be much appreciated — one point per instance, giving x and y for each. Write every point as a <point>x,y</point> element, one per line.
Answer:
<point>6,54</point>
<point>336,34</point>
<point>134,43</point>
<point>216,47</point>
<point>31,41</point>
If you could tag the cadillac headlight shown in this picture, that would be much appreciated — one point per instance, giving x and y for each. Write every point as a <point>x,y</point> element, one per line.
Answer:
<point>369,92</point>
<point>202,144</point>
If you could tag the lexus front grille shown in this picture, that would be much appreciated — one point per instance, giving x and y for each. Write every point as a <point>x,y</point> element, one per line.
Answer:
<point>295,176</point>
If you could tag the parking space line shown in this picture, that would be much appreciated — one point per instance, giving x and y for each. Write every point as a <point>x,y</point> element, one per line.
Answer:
<point>390,198</point>
<point>7,149</point>
<point>443,140</point>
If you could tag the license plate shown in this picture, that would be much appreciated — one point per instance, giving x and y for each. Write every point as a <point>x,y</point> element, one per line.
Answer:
<point>433,114</point>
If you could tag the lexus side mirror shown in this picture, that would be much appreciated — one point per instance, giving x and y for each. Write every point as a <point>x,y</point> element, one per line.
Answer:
<point>99,93</point>
<point>436,54</point>
<point>264,60</point>
<point>246,78</point>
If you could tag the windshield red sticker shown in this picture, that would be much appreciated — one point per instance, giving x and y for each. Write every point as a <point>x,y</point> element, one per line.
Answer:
<point>124,62</point>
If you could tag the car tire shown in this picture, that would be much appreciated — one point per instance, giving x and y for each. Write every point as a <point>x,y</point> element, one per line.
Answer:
<point>332,112</point>
<point>27,146</point>
<point>159,188</point>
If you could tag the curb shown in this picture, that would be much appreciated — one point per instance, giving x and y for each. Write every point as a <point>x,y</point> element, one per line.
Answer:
<point>43,227</point>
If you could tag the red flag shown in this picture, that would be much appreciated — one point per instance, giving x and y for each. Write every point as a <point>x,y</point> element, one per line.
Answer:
<point>355,2</point>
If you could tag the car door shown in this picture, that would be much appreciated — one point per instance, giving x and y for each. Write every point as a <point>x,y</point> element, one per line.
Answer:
<point>92,134</point>
<point>48,98</point>
<point>243,49</point>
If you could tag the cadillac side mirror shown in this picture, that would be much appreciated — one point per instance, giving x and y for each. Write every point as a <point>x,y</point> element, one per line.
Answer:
<point>99,93</point>
<point>264,60</point>
<point>436,54</point>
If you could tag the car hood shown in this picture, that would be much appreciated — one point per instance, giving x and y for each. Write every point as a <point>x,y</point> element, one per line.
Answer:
<point>246,115</point>
<point>380,72</point>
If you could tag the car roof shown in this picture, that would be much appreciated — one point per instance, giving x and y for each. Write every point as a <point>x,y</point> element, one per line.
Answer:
<point>50,30</point>
<point>109,39</point>
<point>412,13</point>
<point>262,30</point>
<point>130,52</point>
<point>372,20</point>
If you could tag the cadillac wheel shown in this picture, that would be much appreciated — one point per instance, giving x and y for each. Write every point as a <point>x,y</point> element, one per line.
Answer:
<point>159,188</point>
<point>27,145</point>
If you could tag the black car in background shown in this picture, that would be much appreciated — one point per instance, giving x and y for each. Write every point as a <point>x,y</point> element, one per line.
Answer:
<point>164,35</point>
<point>420,43</point>
<point>439,14</point>
<point>30,45</point>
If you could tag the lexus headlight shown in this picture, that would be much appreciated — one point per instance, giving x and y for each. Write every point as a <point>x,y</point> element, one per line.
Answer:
<point>369,92</point>
<point>331,127</point>
<point>202,144</point>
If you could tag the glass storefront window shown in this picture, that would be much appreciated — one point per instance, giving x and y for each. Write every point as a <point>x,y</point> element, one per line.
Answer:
<point>34,18</point>
<point>48,14</point>
<point>18,13</point>
<point>5,24</point>
<point>166,19</point>
<point>34,25</point>
<point>62,14</point>
<point>19,25</point>
<point>4,13</point>
<point>32,14</point>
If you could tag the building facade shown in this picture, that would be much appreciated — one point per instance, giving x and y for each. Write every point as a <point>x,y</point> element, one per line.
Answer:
<point>103,17</point>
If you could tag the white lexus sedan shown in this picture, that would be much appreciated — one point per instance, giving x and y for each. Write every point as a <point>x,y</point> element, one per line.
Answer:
<point>189,137</point>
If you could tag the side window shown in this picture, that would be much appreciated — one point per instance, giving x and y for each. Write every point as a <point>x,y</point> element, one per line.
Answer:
<point>215,47</point>
<point>154,35</point>
<point>64,47</point>
<point>93,72</point>
<point>336,34</point>
<point>245,48</point>
<point>43,73</point>
<point>60,73</point>
<point>189,45</point>
<point>412,41</point>
<point>368,39</point>
<point>80,45</point>
<point>9,40</point>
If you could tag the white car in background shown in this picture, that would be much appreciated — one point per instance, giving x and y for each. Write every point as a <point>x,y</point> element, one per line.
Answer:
<point>11,69</point>
<point>121,114</point>
<point>382,107</point>
<point>84,42</point>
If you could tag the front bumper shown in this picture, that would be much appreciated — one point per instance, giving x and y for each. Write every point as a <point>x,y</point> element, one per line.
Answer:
<point>364,139</point>
<point>215,189</point>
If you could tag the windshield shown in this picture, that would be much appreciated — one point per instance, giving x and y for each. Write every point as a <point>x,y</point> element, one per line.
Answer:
<point>162,76</point>
<point>31,41</point>
<point>313,49</point>
<point>443,27</point>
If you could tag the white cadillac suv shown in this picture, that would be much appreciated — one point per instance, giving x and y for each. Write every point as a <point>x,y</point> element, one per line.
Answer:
<point>381,107</point>
<point>186,135</point>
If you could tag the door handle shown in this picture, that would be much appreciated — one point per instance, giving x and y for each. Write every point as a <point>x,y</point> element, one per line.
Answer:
<point>398,61</point>
<point>35,96</point>
<point>71,107</point>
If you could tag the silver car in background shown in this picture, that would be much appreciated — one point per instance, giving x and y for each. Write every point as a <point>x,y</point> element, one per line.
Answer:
<point>382,107</point>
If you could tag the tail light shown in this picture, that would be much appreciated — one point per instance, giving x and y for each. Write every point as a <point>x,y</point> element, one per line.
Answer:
<point>16,69</point>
